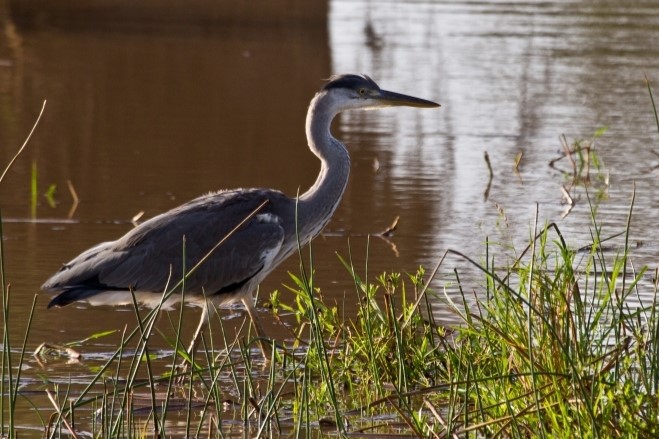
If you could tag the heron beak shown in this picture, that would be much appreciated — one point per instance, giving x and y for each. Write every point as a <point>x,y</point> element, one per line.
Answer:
<point>396,99</point>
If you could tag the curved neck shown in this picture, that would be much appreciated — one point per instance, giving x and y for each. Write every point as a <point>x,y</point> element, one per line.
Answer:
<point>316,205</point>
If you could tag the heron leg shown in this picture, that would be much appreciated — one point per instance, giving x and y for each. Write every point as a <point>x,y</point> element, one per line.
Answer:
<point>248,302</point>
<point>203,323</point>
<point>204,320</point>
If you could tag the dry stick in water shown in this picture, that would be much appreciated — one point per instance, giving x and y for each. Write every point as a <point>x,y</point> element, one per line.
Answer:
<point>486,195</point>
<point>568,200</point>
<point>391,229</point>
<point>20,150</point>
<point>389,232</point>
<point>76,200</point>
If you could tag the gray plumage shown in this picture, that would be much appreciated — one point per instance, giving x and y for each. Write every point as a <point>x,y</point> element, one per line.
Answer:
<point>151,256</point>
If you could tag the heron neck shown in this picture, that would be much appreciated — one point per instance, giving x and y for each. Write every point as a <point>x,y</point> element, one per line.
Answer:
<point>317,204</point>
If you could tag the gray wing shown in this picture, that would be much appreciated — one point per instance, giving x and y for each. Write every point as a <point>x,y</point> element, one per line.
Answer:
<point>156,252</point>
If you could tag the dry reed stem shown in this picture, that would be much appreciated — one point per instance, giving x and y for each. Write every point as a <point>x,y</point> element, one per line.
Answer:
<point>20,150</point>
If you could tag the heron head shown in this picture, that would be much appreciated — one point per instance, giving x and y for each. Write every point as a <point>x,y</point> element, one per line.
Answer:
<point>361,92</point>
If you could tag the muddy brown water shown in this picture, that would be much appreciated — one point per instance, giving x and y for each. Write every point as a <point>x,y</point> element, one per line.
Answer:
<point>145,115</point>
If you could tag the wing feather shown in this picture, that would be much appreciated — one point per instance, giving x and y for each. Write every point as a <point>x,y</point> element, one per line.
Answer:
<point>155,253</point>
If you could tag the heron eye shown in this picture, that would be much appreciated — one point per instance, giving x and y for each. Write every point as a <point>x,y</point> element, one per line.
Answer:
<point>362,92</point>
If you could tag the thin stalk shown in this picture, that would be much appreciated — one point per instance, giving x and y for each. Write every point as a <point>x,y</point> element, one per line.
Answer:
<point>177,341</point>
<point>157,426</point>
<point>7,372</point>
<point>33,190</point>
<point>362,287</point>
<point>27,139</point>
<point>654,107</point>
<point>530,318</point>
<point>21,358</point>
<point>189,408</point>
<point>214,392</point>
<point>108,420</point>
<point>654,330</point>
<point>316,330</point>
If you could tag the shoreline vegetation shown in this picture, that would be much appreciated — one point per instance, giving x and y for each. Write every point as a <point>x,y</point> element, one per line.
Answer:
<point>558,342</point>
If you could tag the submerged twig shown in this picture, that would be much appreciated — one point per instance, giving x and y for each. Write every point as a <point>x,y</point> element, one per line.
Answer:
<point>387,233</point>
<point>391,229</point>
<point>76,200</point>
<point>568,154</point>
<point>568,200</point>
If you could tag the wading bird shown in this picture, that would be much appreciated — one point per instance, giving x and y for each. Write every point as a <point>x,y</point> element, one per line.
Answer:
<point>233,238</point>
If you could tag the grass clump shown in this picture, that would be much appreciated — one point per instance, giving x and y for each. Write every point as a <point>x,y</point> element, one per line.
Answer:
<point>559,348</point>
<point>559,343</point>
<point>352,367</point>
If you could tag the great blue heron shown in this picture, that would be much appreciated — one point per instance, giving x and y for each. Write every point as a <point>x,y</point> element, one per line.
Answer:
<point>152,255</point>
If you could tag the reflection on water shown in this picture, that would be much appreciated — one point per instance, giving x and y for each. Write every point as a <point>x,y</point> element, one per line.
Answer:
<point>511,79</point>
<point>143,121</point>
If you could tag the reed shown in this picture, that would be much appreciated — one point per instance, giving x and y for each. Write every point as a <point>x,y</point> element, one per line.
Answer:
<point>556,349</point>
